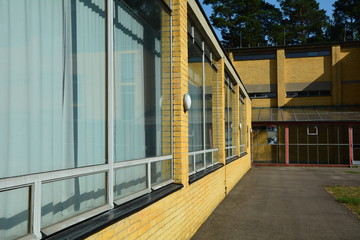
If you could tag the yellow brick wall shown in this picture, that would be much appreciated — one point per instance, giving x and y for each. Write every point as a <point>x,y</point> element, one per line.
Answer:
<point>350,76</point>
<point>257,71</point>
<point>236,170</point>
<point>308,70</point>
<point>264,102</point>
<point>177,216</point>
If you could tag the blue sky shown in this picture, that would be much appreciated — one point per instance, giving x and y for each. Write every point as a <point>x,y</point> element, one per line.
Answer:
<point>324,4</point>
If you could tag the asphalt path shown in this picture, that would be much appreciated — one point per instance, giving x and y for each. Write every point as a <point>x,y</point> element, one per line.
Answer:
<point>284,203</point>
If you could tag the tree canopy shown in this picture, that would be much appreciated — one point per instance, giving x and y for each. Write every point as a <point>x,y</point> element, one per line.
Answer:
<point>303,21</point>
<point>244,23</point>
<point>346,20</point>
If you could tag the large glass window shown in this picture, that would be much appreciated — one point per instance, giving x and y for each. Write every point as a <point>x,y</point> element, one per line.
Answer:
<point>210,103</point>
<point>142,92</point>
<point>319,144</point>
<point>66,198</point>
<point>268,144</point>
<point>229,123</point>
<point>195,74</point>
<point>52,85</point>
<point>243,124</point>
<point>14,221</point>
<point>141,89</point>
<point>202,87</point>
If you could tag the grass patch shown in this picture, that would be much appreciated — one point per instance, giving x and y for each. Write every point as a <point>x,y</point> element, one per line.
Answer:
<point>352,172</point>
<point>349,196</point>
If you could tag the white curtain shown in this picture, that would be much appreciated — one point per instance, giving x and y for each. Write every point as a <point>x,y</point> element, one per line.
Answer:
<point>129,103</point>
<point>84,26</point>
<point>52,94</point>
<point>129,77</point>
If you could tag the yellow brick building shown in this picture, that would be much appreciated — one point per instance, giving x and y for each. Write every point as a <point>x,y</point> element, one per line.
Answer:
<point>307,75</point>
<point>305,103</point>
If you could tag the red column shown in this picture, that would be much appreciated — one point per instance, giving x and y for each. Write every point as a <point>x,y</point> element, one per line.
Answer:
<point>287,144</point>
<point>351,145</point>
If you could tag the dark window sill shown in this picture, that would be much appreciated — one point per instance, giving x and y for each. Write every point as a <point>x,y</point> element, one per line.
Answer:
<point>230,160</point>
<point>243,154</point>
<point>93,225</point>
<point>197,176</point>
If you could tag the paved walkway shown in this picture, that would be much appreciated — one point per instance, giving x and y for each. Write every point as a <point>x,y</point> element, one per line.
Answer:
<point>284,203</point>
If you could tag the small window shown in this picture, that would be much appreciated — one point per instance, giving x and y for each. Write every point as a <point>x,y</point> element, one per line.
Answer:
<point>308,94</point>
<point>263,95</point>
<point>254,57</point>
<point>312,131</point>
<point>307,54</point>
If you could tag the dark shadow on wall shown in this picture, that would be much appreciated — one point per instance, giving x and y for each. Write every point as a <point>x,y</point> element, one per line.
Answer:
<point>322,91</point>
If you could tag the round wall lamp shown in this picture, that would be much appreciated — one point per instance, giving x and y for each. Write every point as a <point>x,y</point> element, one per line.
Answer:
<point>187,102</point>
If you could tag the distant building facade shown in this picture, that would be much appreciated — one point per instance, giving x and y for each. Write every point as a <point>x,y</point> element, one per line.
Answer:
<point>305,102</point>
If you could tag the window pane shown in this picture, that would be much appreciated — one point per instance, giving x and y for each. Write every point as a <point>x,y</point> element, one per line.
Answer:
<point>191,163</point>
<point>52,85</point>
<point>210,91</point>
<point>323,154</point>
<point>209,159</point>
<point>199,161</point>
<point>130,180</point>
<point>63,199</point>
<point>196,142</point>
<point>14,213</point>
<point>142,80</point>
<point>229,106</point>
<point>260,135</point>
<point>303,154</point>
<point>160,172</point>
<point>243,129</point>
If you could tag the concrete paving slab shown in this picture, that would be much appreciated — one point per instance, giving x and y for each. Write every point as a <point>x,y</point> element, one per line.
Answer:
<point>284,203</point>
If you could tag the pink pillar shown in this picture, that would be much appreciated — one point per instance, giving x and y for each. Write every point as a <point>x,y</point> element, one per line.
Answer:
<point>287,144</point>
<point>351,145</point>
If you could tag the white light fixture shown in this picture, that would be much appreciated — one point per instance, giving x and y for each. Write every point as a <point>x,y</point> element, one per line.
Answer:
<point>187,102</point>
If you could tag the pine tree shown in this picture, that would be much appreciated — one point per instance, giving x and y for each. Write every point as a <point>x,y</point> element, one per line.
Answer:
<point>346,20</point>
<point>246,22</point>
<point>304,22</point>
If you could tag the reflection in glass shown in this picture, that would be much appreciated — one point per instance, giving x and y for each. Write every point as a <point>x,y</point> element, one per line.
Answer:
<point>130,180</point>
<point>229,105</point>
<point>196,141</point>
<point>142,80</point>
<point>210,91</point>
<point>66,198</point>
<point>160,172</point>
<point>243,126</point>
<point>199,161</point>
<point>191,163</point>
<point>14,213</point>
<point>209,158</point>
<point>52,85</point>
